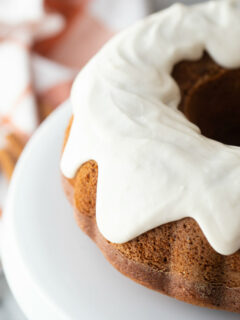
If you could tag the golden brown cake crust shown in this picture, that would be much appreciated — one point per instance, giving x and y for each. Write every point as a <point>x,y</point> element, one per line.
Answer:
<point>175,258</point>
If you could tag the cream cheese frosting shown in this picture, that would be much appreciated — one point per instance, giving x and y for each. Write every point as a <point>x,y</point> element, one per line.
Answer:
<point>154,166</point>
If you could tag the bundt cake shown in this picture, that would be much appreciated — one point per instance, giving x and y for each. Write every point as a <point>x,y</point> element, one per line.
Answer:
<point>151,155</point>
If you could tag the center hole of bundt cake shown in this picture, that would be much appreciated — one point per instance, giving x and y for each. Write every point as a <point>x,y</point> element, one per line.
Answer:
<point>211,98</point>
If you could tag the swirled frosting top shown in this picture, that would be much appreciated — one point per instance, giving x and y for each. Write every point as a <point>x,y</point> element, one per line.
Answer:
<point>154,165</point>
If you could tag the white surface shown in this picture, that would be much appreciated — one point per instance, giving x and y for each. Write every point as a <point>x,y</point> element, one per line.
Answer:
<point>17,100</point>
<point>53,269</point>
<point>123,12</point>
<point>9,310</point>
<point>47,73</point>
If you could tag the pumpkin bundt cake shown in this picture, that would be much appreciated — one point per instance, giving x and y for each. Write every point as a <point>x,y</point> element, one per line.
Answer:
<point>151,155</point>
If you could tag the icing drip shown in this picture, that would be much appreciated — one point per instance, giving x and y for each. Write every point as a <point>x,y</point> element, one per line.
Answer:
<point>154,165</point>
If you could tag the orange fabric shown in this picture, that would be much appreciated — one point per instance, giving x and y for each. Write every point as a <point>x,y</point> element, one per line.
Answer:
<point>80,39</point>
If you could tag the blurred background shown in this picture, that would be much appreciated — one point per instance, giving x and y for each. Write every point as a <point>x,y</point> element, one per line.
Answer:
<point>43,44</point>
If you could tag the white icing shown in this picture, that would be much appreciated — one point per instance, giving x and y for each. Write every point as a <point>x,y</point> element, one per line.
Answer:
<point>154,165</point>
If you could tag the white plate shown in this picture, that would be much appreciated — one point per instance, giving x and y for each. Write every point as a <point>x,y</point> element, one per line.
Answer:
<point>54,270</point>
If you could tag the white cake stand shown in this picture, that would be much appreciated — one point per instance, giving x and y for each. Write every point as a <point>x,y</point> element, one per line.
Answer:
<point>53,269</point>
